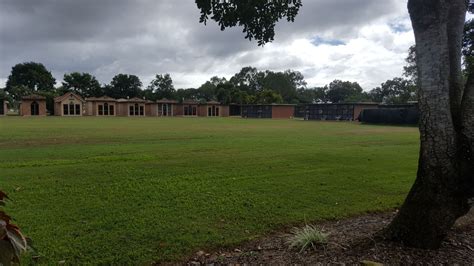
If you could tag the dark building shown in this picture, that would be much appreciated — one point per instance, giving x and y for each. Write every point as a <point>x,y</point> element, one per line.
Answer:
<point>333,111</point>
<point>278,111</point>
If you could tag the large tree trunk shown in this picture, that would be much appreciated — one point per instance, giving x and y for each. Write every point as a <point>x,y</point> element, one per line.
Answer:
<point>443,187</point>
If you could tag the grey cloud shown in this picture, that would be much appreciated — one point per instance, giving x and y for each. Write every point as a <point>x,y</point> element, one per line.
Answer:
<point>145,37</point>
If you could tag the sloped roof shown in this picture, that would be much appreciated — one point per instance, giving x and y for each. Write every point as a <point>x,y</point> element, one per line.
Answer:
<point>101,99</point>
<point>68,95</point>
<point>166,101</point>
<point>131,100</point>
<point>33,97</point>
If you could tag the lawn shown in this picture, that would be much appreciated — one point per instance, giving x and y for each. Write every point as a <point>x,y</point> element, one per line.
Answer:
<point>142,190</point>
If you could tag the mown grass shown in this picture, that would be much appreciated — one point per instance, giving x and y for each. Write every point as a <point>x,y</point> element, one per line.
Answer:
<point>124,190</point>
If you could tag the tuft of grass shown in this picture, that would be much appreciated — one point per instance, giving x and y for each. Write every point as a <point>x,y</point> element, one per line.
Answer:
<point>308,236</point>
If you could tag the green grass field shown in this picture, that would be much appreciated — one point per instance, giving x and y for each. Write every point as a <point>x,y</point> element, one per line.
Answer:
<point>124,190</point>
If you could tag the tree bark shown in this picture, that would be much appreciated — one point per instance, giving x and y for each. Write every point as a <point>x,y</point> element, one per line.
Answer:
<point>439,196</point>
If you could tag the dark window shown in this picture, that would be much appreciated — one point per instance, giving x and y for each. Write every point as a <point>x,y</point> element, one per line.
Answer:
<point>101,110</point>
<point>165,110</point>
<point>34,108</point>
<point>142,111</point>
<point>136,109</point>
<point>217,111</point>
<point>209,111</point>
<point>111,110</point>
<point>131,110</point>
<point>71,109</point>
<point>186,112</point>
<point>194,110</point>
<point>106,109</point>
<point>78,109</point>
<point>2,109</point>
<point>65,109</point>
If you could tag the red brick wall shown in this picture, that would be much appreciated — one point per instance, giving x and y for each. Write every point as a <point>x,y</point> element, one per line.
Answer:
<point>25,107</point>
<point>283,111</point>
<point>224,110</point>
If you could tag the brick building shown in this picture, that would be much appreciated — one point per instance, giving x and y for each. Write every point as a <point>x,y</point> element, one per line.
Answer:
<point>33,105</point>
<point>101,106</point>
<point>167,107</point>
<point>69,104</point>
<point>131,107</point>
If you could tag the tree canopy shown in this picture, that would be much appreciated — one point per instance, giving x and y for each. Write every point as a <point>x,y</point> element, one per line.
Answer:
<point>124,86</point>
<point>83,84</point>
<point>257,17</point>
<point>29,77</point>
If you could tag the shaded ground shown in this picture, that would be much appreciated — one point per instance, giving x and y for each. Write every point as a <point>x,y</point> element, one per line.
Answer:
<point>350,242</point>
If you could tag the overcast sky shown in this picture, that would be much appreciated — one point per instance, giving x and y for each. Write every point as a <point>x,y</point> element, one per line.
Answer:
<point>357,40</point>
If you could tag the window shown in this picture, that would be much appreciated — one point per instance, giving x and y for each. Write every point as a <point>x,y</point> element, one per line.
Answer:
<point>71,108</point>
<point>34,108</point>
<point>65,109</point>
<point>106,109</point>
<point>136,109</point>
<point>142,110</point>
<point>217,111</point>
<point>194,110</point>
<point>209,111</point>
<point>131,110</point>
<point>111,110</point>
<point>78,109</point>
<point>186,112</point>
<point>101,109</point>
<point>2,110</point>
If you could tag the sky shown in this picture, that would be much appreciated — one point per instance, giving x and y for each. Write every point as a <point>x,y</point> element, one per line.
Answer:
<point>365,41</point>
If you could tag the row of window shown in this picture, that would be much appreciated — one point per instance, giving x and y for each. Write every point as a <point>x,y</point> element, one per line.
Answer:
<point>213,111</point>
<point>71,109</point>
<point>106,109</point>
<point>190,110</point>
<point>136,110</point>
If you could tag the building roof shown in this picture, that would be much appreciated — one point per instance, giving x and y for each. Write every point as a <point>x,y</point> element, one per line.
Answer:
<point>190,102</point>
<point>213,102</point>
<point>131,100</point>
<point>269,104</point>
<point>101,99</point>
<point>68,95</point>
<point>347,103</point>
<point>33,97</point>
<point>166,101</point>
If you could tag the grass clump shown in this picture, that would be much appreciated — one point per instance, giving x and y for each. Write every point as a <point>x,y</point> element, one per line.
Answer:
<point>308,236</point>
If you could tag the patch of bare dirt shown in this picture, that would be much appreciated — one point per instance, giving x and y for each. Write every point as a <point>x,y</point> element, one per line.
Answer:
<point>350,242</point>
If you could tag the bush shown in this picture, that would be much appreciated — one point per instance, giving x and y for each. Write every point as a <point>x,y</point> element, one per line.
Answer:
<point>302,238</point>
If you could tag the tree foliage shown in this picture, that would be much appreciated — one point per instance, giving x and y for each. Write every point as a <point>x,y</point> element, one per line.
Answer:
<point>395,91</point>
<point>83,84</point>
<point>29,77</point>
<point>257,17</point>
<point>124,86</point>
<point>161,87</point>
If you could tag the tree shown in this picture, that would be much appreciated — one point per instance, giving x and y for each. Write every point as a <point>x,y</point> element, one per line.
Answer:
<point>26,78</point>
<point>123,86</point>
<point>468,44</point>
<point>444,187</point>
<point>410,71</point>
<point>394,91</point>
<point>313,95</point>
<point>162,87</point>
<point>344,91</point>
<point>83,84</point>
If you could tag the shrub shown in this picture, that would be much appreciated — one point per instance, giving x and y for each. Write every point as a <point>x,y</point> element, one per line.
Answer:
<point>12,241</point>
<point>302,238</point>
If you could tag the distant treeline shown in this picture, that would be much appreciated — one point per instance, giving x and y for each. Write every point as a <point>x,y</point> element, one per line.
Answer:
<point>249,86</point>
